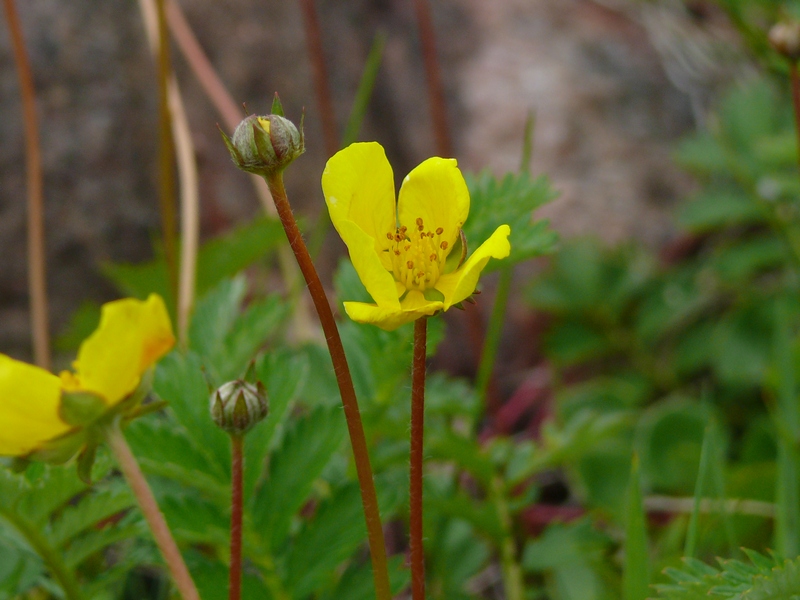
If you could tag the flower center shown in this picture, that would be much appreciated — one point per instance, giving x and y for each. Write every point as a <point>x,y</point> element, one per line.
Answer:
<point>417,256</point>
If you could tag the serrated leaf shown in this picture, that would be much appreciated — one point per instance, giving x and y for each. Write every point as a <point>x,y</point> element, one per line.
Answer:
<point>88,511</point>
<point>510,200</point>
<point>306,449</point>
<point>325,541</point>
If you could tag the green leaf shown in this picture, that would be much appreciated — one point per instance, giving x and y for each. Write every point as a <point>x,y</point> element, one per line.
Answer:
<point>510,200</point>
<point>636,570</point>
<point>179,381</point>
<point>306,449</point>
<point>714,209</point>
<point>217,259</point>
<point>90,510</point>
<point>326,540</point>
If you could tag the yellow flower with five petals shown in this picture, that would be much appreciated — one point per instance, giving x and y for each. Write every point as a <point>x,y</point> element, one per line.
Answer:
<point>131,337</point>
<point>400,250</point>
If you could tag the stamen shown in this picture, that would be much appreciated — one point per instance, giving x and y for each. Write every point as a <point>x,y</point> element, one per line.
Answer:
<point>432,258</point>
<point>439,231</point>
<point>443,245</point>
<point>389,236</point>
<point>410,264</point>
<point>419,221</point>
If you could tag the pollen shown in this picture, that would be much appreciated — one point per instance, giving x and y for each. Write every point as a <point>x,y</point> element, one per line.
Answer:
<point>417,258</point>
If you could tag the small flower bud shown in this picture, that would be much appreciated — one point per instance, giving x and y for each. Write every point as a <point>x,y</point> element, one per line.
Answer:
<point>785,38</point>
<point>265,144</point>
<point>237,406</point>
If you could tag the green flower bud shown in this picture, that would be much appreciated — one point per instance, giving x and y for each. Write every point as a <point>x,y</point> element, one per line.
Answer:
<point>265,144</point>
<point>237,406</point>
<point>785,38</point>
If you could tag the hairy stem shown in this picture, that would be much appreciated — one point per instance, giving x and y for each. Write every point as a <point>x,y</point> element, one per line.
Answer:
<point>415,472</point>
<point>235,579</point>
<point>152,514</point>
<point>37,282</point>
<point>795,79</point>
<point>352,414</point>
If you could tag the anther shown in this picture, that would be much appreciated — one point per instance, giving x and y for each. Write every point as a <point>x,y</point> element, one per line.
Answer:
<point>443,245</point>
<point>430,234</point>
<point>432,258</point>
<point>397,252</point>
<point>389,236</point>
<point>410,264</point>
<point>439,231</point>
<point>419,221</point>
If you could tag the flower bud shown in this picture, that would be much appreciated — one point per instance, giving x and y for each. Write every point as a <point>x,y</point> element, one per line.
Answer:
<point>785,38</point>
<point>265,144</point>
<point>237,406</point>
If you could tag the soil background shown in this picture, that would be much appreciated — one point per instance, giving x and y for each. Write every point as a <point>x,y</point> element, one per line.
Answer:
<point>613,84</point>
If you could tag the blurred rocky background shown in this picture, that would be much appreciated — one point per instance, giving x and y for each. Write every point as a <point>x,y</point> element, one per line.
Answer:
<point>613,85</point>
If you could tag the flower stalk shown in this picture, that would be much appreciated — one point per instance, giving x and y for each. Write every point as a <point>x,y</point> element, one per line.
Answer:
<point>235,577</point>
<point>152,514</point>
<point>417,550</point>
<point>341,369</point>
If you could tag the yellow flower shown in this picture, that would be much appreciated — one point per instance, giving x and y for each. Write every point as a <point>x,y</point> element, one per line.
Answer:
<point>400,251</point>
<point>131,337</point>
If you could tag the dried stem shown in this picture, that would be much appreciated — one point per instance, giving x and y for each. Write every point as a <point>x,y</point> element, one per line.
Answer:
<point>235,576</point>
<point>231,114</point>
<point>166,153</point>
<point>417,549</point>
<point>187,174</point>
<point>352,414</point>
<point>37,281</point>
<point>427,36</point>
<point>152,514</point>
<point>322,87</point>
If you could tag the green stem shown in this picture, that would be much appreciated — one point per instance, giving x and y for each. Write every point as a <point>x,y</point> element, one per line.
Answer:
<point>416,547</point>
<point>512,572</point>
<point>491,342</point>
<point>235,575</point>
<point>51,557</point>
<point>358,442</point>
<point>152,514</point>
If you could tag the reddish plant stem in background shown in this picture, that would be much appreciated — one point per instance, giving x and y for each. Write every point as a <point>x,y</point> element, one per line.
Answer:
<point>427,36</point>
<point>230,112</point>
<point>795,77</point>
<point>417,549</point>
<point>322,86</point>
<point>37,281</point>
<point>166,154</point>
<point>235,577</point>
<point>152,514</point>
<point>352,414</point>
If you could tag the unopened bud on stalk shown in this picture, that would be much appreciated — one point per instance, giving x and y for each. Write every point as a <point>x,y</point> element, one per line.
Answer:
<point>266,144</point>
<point>785,38</point>
<point>237,406</point>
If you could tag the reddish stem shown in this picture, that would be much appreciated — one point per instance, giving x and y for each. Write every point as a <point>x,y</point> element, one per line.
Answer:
<point>37,281</point>
<point>352,414</point>
<point>427,36</point>
<point>235,578</point>
<point>320,75</point>
<point>415,472</point>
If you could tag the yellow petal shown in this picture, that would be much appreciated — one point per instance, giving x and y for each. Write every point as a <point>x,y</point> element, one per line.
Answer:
<point>413,307</point>
<point>379,282</point>
<point>460,284</point>
<point>29,401</point>
<point>436,192</point>
<point>359,186</point>
<point>132,335</point>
